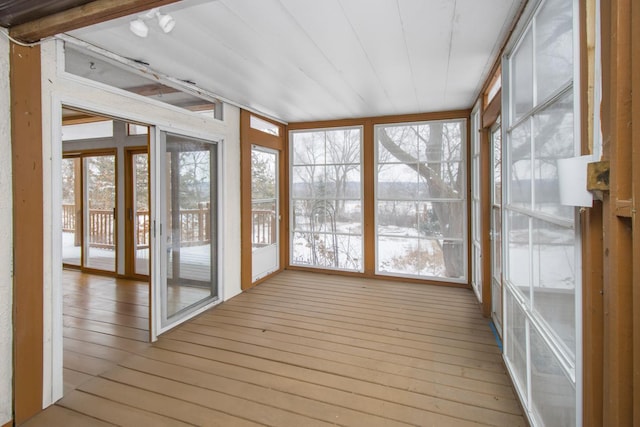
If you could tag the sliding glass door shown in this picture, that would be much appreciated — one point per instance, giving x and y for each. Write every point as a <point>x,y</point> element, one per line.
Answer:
<point>89,223</point>
<point>188,257</point>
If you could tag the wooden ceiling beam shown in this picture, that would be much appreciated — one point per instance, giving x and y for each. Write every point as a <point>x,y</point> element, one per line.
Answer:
<point>81,16</point>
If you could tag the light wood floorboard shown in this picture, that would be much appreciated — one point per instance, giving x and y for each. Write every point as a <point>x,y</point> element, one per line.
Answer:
<point>301,349</point>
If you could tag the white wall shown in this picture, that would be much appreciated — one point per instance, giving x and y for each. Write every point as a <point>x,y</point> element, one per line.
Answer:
<point>6,242</point>
<point>59,88</point>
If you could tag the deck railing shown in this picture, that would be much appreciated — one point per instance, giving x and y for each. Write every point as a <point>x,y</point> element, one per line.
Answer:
<point>263,227</point>
<point>194,226</point>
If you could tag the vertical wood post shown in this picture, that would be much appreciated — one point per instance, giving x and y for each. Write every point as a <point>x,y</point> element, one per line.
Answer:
<point>617,148</point>
<point>26,144</point>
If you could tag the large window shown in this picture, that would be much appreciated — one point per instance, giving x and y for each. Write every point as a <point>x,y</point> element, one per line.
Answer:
<point>326,199</point>
<point>421,221</point>
<point>541,239</point>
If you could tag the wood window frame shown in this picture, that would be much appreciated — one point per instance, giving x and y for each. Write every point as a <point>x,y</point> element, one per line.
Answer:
<point>368,185</point>
<point>129,244</point>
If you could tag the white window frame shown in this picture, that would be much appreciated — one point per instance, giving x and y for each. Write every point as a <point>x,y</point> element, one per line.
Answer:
<point>292,230</point>
<point>572,369</point>
<point>464,156</point>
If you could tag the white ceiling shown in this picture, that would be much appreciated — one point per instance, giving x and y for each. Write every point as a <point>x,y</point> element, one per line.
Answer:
<point>305,60</point>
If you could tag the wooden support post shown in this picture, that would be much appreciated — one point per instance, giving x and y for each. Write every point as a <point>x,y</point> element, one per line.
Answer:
<point>617,148</point>
<point>26,145</point>
<point>635,143</point>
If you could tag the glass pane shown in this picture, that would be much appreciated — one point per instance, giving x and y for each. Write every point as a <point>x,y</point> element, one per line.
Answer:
<point>71,212</point>
<point>496,244</point>
<point>417,165</point>
<point>264,188</point>
<point>553,394</point>
<point>141,218</point>
<point>402,255</point>
<point>263,224</point>
<point>516,342</point>
<point>397,218</point>
<point>554,293</point>
<point>343,147</point>
<point>398,144</point>
<point>554,47</point>
<point>496,143</point>
<point>522,79</point>
<point>263,175</point>
<point>518,272</point>
<point>440,142</point>
<point>264,126</point>
<point>496,304</point>
<point>308,182</point>
<point>100,232</point>
<point>328,250</point>
<point>397,181</point>
<point>308,148</point>
<point>519,188</point>
<point>103,129</point>
<point>441,181</point>
<point>326,187</point>
<point>191,216</point>
<point>441,219</point>
<point>553,140</point>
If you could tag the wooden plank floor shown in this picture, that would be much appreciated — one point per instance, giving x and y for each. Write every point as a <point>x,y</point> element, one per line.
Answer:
<point>301,349</point>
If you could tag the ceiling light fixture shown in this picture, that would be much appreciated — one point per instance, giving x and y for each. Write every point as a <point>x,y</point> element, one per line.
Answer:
<point>166,22</point>
<point>140,29</point>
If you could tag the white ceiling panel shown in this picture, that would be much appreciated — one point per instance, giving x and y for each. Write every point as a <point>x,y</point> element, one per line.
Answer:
<point>303,60</point>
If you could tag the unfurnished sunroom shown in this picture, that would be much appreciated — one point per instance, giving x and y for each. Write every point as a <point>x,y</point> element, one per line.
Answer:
<point>277,157</point>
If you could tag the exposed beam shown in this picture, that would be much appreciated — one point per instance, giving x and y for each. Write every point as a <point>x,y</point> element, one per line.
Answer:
<point>81,16</point>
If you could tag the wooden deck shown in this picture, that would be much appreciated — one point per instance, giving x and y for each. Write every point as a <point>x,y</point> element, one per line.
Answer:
<point>302,349</point>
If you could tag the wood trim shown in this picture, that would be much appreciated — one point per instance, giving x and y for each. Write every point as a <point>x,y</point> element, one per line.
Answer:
<point>592,315</point>
<point>635,177</point>
<point>492,111</point>
<point>379,277</point>
<point>88,14</point>
<point>245,202</point>
<point>592,238</point>
<point>618,249</point>
<point>8,424</point>
<point>28,273</point>
<point>485,221</point>
<point>368,198</point>
<point>129,230</point>
<point>403,118</point>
